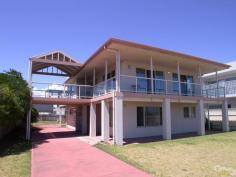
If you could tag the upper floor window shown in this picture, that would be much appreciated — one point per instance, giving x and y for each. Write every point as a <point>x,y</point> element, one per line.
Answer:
<point>140,72</point>
<point>109,75</point>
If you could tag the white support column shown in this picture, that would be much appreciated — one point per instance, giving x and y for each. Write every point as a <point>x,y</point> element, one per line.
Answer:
<point>201,118</point>
<point>92,128</point>
<point>118,120</point>
<point>105,85</point>
<point>200,79</point>
<point>178,72</point>
<point>151,70</point>
<point>28,120</point>
<point>105,120</point>
<point>225,117</point>
<point>118,71</point>
<point>217,85</point>
<point>166,112</point>
<point>113,116</point>
<point>208,117</point>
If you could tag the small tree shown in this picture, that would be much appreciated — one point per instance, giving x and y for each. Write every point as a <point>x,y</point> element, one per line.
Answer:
<point>14,98</point>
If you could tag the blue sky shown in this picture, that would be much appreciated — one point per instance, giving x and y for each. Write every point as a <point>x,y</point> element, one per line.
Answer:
<point>205,28</point>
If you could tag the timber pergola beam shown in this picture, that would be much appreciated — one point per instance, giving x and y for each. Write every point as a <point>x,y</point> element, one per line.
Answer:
<point>41,64</point>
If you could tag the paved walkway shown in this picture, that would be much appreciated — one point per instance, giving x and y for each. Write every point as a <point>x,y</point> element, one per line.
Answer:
<point>57,152</point>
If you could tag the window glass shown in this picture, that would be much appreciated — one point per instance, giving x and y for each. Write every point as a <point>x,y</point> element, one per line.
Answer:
<point>186,112</point>
<point>108,75</point>
<point>152,116</point>
<point>140,72</point>
<point>141,82</point>
<point>140,116</point>
<point>149,116</point>
<point>175,85</point>
<point>113,73</point>
<point>193,112</point>
<point>159,85</point>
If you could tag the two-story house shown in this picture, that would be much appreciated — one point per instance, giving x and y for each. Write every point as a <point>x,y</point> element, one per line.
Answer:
<point>129,90</point>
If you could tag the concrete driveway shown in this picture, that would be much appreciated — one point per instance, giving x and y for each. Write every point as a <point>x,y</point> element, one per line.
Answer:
<point>57,152</point>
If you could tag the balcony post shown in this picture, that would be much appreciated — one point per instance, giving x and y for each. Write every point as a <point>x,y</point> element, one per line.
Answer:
<point>105,85</point>
<point>178,72</point>
<point>79,91</point>
<point>64,90</point>
<point>151,69</point>
<point>118,71</point>
<point>28,124</point>
<point>217,85</point>
<point>200,79</point>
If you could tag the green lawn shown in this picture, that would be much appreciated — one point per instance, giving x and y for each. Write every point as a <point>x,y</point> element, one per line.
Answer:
<point>15,155</point>
<point>206,156</point>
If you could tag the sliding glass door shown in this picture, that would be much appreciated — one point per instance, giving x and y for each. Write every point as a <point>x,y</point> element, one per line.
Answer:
<point>141,80</point>
<point>159,83</point>
<point>186,84</point>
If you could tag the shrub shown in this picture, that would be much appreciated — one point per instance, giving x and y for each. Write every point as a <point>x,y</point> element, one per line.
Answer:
<point>14,98</point>
<point>34,115</point>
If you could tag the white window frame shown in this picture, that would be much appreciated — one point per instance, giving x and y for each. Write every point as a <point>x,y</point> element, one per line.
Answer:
<point>192,112</point>
<point>144,118</point>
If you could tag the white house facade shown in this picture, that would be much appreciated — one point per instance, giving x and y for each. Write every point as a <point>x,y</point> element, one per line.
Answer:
<point>130,90</point>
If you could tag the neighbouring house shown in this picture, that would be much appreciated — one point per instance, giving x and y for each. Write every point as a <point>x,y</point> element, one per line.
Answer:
<point>225,79</point>
<point>129,90</point>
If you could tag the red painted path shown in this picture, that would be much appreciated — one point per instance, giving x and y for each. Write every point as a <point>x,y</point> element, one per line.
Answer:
<point>58,153</point>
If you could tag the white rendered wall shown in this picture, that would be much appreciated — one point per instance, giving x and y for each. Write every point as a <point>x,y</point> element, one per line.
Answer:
<point>130,122</point>
<point>179,124</point>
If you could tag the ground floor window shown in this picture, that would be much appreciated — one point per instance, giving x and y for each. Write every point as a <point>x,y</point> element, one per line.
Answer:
<point>149,116</point>
<point>189,112</point>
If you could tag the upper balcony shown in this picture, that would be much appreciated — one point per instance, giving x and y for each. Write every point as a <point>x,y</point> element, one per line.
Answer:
<point>129,84</point>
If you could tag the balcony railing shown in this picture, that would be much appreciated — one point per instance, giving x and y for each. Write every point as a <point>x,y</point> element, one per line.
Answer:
<point>50,90</point>
<point>229,85</point>
<point>160,86</point>
<point>104,87</point>
<point>127,84</point>
<point>214,92</point>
